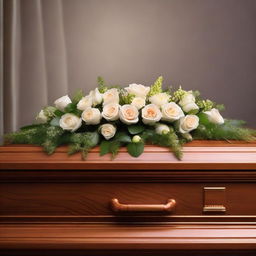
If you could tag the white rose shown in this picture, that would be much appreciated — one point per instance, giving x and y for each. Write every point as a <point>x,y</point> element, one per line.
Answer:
<point>91,116</point>
<point>162,129</point>
<point>70,122</point>
<point>214,116</point>
<point>108,131</point>
<point>111,96</point>
<point>41,117</point>
<point>151,114</point>
<point>129,114</point>
<point>97,97</point>
<point>159,99</point>
<point>138,102</point>
<point>188,123</point>
<point>138,90</point>
<point>62,102</point>
<point>171,112</point>
<point>187,98</point>
<point>189,107</point>
<point>111,111</point>
<point>84,103</point>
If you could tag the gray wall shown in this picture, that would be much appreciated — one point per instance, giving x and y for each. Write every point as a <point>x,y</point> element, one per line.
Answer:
<point>208,45</point>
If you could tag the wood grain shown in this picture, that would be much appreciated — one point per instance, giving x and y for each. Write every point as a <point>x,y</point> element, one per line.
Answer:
<point>127,237</point>
<point>94,199</point>
<point>197,155</point>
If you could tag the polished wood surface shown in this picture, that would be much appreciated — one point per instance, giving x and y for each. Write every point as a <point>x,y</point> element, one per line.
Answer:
<point>197,155</point>
<point>60,200</point>
<point>63,207</point>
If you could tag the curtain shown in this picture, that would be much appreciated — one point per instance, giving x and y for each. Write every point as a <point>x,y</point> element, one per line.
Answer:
<point>1,74</point>
<point>35,60</point>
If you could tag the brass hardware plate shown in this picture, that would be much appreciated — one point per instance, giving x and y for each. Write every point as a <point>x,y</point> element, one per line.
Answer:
<point>214,199</point>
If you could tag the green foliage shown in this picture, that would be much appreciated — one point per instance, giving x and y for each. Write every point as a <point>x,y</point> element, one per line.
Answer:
<point>77,97</point>
<point>205,105</point>
<point>32,134</point>
<point>49,111</point>
<point>125,97</point>
<point>72,108</point>
<point>122,137</point>
<point>82,142</point>
<point>58,113</point>
<point>109,146</point>
<point>135,149</point>
<point>101,85</point>
<point>135,129</point>
<point>230,130</point>
<point>55,121</point>
<point>178,94</point>
<point>156,87</point>
<point>47,136</point>
<point>169,139</point>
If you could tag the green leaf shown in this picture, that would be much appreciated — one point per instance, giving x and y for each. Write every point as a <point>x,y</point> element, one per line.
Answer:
<point>135,149</point>
<point>135,129</point>
<point>114,147</point>
<point>27,127</point>
<point>203,119</point>
<point>58,113</point>
<point>123,137</point>
<point>77,97</point>
<point>104,147</point>
<point>71,107</point>
<point>55,121</point>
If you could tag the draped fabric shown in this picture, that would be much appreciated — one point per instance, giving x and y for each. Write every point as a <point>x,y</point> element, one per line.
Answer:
<point>36,63</point>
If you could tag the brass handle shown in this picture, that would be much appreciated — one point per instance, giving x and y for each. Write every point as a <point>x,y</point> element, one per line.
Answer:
<point>168,207</point>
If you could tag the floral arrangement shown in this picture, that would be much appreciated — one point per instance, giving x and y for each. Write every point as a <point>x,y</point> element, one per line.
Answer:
<point>112,116</point>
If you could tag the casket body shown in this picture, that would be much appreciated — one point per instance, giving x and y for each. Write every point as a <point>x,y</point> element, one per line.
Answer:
<point>61,205</point>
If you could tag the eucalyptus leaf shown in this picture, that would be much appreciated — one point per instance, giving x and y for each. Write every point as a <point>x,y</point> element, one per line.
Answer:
<point>136,129</point>
<point>123,137</point>
<point>55,121</point>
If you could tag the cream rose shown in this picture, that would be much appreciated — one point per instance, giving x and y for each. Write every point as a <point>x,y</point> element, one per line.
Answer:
<point>138,102</point>
<point>91,116</point>
<point>97,97</point>
<point>162,128</point>
<point>159,99</point>
<point>129,114</point>
<point>62,102</point>
<point>41,117</point>
<point>70,122</point>
<point>214,116</point>
<point>171,112</point>
<point>111,96</point>
<point>84,103</point>
<point>111,111</point>
<point>151,114</point>
<point>108,131</point>
<point>190,107</point>
<point>188,123</point>
<point>138,90</point>
<point>187,98</point>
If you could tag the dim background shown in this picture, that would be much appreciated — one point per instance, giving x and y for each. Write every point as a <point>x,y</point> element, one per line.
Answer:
<point>54,47</point>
